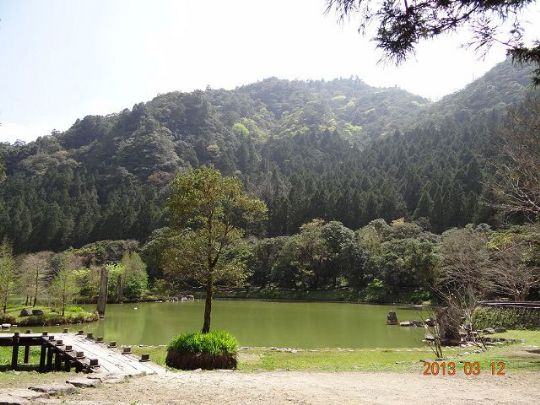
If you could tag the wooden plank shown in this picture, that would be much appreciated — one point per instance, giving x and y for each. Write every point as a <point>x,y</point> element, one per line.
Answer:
<point>110,361</point>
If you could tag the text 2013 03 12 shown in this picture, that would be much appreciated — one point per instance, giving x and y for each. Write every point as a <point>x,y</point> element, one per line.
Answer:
<point>473,368</point>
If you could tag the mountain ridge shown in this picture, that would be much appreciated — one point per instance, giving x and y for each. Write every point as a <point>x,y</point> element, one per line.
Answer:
<point>337,149</point>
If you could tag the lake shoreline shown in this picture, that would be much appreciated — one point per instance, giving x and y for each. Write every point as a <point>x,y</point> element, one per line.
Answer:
<point>303,297</point>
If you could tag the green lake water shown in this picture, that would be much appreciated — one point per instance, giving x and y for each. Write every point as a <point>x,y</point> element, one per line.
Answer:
<point>260,323</point>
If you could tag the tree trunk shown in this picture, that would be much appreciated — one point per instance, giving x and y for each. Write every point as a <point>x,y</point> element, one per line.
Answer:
<point>26,302</point>
<point>102,297</point>
<point>36,283</point>
<point>521,296</point>
<point>120,289</point>
<point>6,292</point>
<point>208,305</point>
<point>64,298</point>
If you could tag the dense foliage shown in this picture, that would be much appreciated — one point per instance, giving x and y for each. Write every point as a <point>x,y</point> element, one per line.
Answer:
<point>509,318</point>
<point>338,150</point>
<point>382,262</point>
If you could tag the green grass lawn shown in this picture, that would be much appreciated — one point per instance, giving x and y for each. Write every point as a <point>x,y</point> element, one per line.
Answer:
<point>521,356</point>
<point>518,357</point>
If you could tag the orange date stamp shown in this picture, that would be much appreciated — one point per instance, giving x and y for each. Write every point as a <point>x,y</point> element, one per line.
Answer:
<point>444,368</point>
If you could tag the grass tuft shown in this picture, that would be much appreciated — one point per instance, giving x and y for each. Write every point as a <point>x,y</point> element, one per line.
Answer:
<point>217,349</point>
<point>215,342</point>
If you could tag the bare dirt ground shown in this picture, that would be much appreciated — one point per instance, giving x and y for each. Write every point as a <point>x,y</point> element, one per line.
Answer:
<point>283,387</point>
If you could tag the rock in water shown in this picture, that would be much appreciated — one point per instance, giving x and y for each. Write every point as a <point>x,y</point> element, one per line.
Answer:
<point>391,318</point>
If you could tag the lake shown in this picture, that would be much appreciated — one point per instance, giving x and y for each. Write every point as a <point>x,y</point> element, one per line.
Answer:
<point>260,323</point>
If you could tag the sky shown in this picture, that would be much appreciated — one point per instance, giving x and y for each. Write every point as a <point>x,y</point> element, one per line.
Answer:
<point>63,59</point>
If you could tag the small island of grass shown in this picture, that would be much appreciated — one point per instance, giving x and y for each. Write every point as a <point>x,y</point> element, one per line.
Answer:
<point>45,316</point>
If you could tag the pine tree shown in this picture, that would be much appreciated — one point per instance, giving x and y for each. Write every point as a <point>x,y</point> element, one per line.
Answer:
<point>425,205</point>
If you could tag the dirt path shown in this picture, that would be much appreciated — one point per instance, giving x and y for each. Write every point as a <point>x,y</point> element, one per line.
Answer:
<point>317,388</point>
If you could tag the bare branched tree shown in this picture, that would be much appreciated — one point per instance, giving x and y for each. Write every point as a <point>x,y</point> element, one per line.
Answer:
<point>464,262</point>
<point>455,320</point>
<point>33,267</point>
<point>462,280</point>
<point>514,271</point>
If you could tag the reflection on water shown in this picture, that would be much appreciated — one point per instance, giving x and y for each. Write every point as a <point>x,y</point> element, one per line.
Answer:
<point>258,323</point>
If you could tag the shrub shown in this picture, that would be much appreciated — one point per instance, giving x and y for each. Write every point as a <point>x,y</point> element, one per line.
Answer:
<point>189,351</point>
<point>7,318</point>
<point>419,297</point>
<point>375,291</point>
<point>75,309</point>
<point>510,318</point>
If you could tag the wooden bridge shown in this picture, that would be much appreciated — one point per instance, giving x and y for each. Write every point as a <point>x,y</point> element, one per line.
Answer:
<point>67,351</point>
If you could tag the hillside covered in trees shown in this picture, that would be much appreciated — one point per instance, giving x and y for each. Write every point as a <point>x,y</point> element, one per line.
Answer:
<point>336,150</point>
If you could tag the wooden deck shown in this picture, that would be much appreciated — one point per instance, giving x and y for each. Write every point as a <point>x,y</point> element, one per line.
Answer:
<point>64,351</point>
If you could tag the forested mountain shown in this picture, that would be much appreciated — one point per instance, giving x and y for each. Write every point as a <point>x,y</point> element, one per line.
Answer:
<point>336,150</point>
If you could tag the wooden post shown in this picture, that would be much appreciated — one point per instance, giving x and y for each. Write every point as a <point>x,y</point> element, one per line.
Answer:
<point>145,357</point>
<point>15,355</point>
<point>58,361</point>
<point>42,356</point>
<point>78,365</point>
<point>67,365</point>
<point>102,297</point>
<point>49,358</point>
<point>26,354</point>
